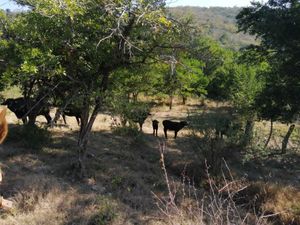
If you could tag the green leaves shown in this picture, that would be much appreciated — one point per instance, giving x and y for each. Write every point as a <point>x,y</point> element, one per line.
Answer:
<point>277,24</point>
<point>247,86</point>
<point>192,81</point>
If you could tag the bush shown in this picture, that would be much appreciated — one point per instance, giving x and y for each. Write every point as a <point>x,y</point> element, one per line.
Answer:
<point>216,124</point>
<point>130,112</point>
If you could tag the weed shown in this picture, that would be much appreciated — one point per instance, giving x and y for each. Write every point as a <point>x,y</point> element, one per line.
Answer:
<point>105,214</point>
<point>116,181</point>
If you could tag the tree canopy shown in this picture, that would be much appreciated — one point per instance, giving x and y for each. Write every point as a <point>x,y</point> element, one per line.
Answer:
<point>280,45</point>
<point>70,48</point>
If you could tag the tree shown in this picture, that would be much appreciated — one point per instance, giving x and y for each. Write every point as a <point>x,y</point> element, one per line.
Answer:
<point>192,81</point>
<point>216,66</point>
<point>130,82</point>
<point>183,76</point>
<point>280,43</point>
<point>247,86</point>
<point>90,40</point>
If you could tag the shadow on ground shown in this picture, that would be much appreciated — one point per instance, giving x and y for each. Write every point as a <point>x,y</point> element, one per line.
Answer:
<point>123,173</point>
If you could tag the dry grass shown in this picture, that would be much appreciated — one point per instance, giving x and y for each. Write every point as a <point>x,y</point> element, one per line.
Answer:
<point>44,200</point>
<point>50,201</point>
<point>186,205</point>
<point>262,129</point>
<point>285,201</point>
<point>123,172</point>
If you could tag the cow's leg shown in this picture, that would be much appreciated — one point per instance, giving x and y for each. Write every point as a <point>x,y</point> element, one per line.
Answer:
<point>64,118</point>
<point>24,120</point>
<point>165,131</point>
<point>175,133</point>
<point>48,118</point>
<point>78,120</point>
<point>32,119</point>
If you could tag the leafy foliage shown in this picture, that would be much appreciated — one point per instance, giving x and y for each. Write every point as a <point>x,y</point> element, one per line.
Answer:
<point>280,45</point>
<point>70,48</point>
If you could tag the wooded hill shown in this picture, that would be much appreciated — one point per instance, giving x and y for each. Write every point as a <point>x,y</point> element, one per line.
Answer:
<point>218,23</point>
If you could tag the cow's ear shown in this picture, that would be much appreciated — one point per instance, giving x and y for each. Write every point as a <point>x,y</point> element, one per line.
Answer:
<point>2,115</point>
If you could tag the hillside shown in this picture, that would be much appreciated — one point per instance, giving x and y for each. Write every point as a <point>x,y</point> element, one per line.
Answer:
<point>218,23</point>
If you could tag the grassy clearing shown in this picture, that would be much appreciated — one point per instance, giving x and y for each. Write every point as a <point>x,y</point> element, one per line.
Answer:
<point>125,173</point>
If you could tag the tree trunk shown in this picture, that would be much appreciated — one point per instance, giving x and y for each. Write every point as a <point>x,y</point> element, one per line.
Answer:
<point>135,97</point>
<point>31,120</point>
<point>170,102</point>
<point>285,140</point>
<point>87,124</point>
<point>248,135</point>
<point>85,130</point>
<point>202,101</point>
<point>184,100</point>
<point>270,135</point>
<point>59,111</point>
<point>128,97</point>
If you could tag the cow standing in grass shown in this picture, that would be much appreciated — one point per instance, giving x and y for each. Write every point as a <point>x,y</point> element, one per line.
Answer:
<point>24,108</point>
<point>175,126</point>
<point>72,110</point>
<point>155,127</point>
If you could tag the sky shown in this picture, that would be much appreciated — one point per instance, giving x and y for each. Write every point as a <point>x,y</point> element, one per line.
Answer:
<point>7,4</point>
<point>4,4</point>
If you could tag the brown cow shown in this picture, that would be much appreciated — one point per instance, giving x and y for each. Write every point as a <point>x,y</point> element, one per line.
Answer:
<point>4,204</point>
<point>3,126</point>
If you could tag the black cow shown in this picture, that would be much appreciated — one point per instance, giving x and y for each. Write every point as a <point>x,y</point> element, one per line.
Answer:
<point>24,108</point>
<point>175,126</point>
<point>155,127</point>
<point>72,110</point>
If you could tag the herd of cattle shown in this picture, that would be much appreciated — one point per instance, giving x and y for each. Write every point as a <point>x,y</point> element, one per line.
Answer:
<point>27,110</point>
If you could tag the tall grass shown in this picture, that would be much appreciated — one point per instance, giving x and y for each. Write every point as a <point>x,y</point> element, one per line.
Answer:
<point>187,205</point>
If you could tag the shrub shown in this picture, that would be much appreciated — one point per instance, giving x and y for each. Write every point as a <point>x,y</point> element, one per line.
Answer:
<point>131,112</point>
<point>216,124</point>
